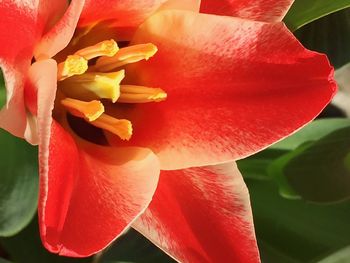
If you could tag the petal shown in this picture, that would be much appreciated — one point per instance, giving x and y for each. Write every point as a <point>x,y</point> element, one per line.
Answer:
<point>21,25</point>
<point>15,108</point>
<point>42,85</point>
<point>59,36</point>
<point>127,15</point>
<point>202,215</point>
<point>261,10</point>
<point>19,32</point>
<point>234,87</point>
<point>90,194</point>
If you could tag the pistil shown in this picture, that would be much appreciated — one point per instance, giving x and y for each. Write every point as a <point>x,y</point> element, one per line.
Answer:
<point>93,85</point>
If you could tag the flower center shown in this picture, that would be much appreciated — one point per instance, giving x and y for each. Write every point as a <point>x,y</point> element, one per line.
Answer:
<point>94,73</point>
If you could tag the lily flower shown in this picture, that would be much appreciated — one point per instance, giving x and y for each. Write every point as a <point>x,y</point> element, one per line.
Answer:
<point>140,109</point>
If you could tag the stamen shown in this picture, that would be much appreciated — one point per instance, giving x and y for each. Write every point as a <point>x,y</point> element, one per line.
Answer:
<point>126,56</point>
<point>122,128</point>
<point>88,110</point>
<point>105,48</point>
<point>140,94</point>
<point>93,85</point>
<point>73,65</point>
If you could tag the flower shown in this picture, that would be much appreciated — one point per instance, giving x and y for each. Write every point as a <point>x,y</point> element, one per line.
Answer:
<point>219,85</point>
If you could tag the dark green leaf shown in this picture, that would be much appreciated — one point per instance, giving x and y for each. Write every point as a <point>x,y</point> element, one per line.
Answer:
<point>2,90</point>
<point>303,12</point>
<point>312,132</point>
<point>255,166</point>
<point>4,261</point>
<point>329,35</point>
<point>19,183</point>
<point>320,171</point>
<point>133,247</point>
<point>341,256</point>
<point>270,164</point>
<point>295,231</point>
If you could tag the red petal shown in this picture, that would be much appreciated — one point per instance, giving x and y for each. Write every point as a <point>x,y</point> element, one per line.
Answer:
<point>127,15</point>
<point>202,215</point>
<point>59,36</point>
<point>234,87</point>
<point>22,24</point>
<point>90,194</point>
<point>19,32</point>
<point>42,84</point>
<point>261,10</point>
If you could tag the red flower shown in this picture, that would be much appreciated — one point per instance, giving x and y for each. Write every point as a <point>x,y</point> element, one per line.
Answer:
<point>229,88</point>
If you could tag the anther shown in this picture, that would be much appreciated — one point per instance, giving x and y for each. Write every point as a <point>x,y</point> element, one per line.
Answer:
<point>73,65</point>
<point>105,48</point>
<point>140,94</point>
<point>126,56</point>
<point>120,127</point>
<point>90,111</point>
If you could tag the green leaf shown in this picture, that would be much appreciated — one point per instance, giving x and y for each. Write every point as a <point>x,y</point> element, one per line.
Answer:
<point>255,166</point>
<point>341,256</point>
<point>320,171</point>
<point>19,183</point>
<point>329,35</point>
<point>270,163</point>
<point>296,231</point>
<point>4,261</point>
<point>303,12</point>
<point>312,132</point>
<point>2,90</point>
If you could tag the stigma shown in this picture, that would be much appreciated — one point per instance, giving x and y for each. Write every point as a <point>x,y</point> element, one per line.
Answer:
<point>94,73</point>
<point>94,85</point>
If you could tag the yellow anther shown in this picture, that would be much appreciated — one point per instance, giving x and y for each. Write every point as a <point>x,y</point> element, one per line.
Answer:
<point>93,85</point>
<point>73,65</point>
<point>88,110</point>
<point>105,48</point>
<point>140,94</point>
<point>122,128</point>
<point>126,56</point>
